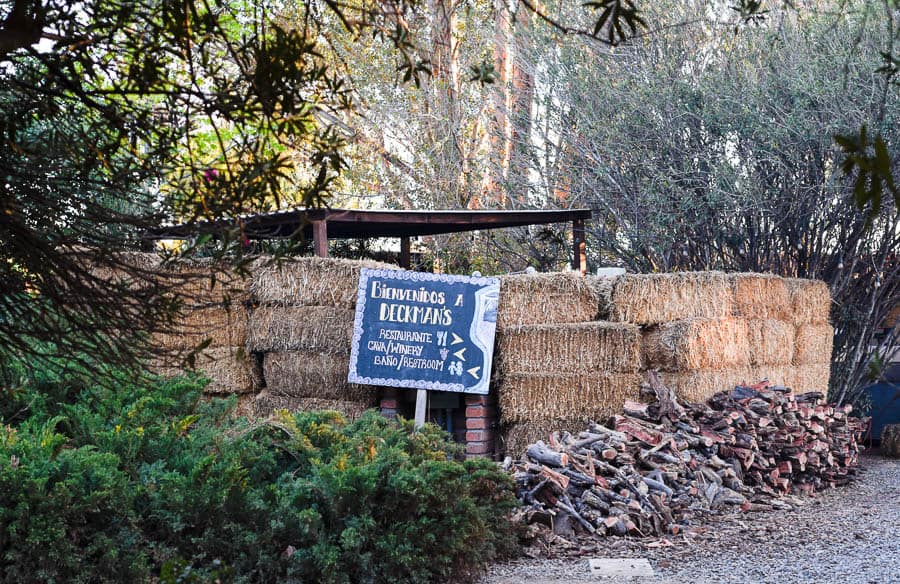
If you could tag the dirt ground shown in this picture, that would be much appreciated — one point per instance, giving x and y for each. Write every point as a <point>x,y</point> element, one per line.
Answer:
<point>848,535</point>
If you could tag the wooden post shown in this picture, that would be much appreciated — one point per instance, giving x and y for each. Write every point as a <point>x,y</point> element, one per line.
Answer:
<point>579,251</point>
<point>320,238</point>
<point>405,253</point>
<point>421,402</point>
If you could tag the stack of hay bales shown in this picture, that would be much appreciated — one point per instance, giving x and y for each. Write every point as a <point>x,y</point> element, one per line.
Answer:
<point>214,311</point>
<point>571,349</point>
<point>555,365</point>
<point>814,337</point>
<point>689,330</point>
<point>708,331</point>
<point>302,327</point>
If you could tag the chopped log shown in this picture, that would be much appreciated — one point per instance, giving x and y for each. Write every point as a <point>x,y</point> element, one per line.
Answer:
<point>541,453</point>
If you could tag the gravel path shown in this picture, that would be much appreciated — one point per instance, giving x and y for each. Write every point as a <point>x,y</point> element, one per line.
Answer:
<point>847,535</point>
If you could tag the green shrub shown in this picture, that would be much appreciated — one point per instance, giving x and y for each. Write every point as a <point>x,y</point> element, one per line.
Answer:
<point>139,483</point>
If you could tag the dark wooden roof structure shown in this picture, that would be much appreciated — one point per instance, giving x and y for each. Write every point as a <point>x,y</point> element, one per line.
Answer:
<point>325,224</point>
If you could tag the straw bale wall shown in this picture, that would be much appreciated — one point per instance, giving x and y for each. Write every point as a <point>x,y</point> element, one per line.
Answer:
<point>697,343</point>
<point>569,348</point>
<point>284,332</point>
<point>704,332</point>
<point>554,298</point>
<point>659,298</point>
<point>312,375</point>
<point>593,395</point>
<point>310,281</point>
<point>323,329</point>
<point>561,348</point>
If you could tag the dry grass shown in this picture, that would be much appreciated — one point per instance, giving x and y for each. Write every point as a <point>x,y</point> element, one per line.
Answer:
<point>697,343</point>
<point>776,374</point>
<point>312,375</point>
<point>310,281</point>
<point>569,348</point>
<point>224,327</point>
<point>697,386</point>
<point>554,298</point>
<point>266,403</point>
<point>603,287</point>
<point>659,298</point>
<point>810,300</point>
<point>761,296</point>
<point>322,329</point>
<point>516,438</point>
<point>812,377</point>
<point>230,370</point>
<point>813,344</point>
<point>771,342</point>
<point>535,397</point>
<point>196,283</point>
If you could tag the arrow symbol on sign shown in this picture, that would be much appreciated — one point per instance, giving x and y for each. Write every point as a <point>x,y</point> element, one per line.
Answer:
<point>459,354</point>
<point>456,338</point>
<point>473,371</point>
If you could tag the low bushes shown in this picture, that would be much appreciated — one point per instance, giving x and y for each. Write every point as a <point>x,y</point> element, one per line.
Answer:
<point>135,483</point>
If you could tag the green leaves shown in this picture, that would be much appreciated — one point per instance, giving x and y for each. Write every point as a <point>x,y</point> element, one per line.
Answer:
<point>870,161</point>
<point>113,485</point>
<point>484,73</point>
<point>615,16</point>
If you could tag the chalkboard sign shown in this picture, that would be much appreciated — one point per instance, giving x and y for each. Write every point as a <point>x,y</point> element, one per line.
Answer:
<point>424,331</point>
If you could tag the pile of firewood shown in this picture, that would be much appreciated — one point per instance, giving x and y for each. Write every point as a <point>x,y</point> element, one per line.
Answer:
<point>661,465</point>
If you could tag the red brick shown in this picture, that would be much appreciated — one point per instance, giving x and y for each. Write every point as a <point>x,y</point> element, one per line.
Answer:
<point>477,423</point>
<point>479,435</point>
<point>481,411</point>
<point>389,403</point>
<point>483,448</point>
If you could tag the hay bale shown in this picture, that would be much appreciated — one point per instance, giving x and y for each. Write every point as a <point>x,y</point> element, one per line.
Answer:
<point>761,296</point>
<point>321,329</point>
<point>313,375</point>
<point>553,298</point>
<point>528,397</point>
<point>697,343</point>
<point>224,327</point>
<point>246,406</point>
<point>569,348</point>
<point>813,343</point>
<point>603,287</point>
<point>812,377</point>
<point>194,283</point>
<point>230,370</point>
<point>267,403</point>
<point>784,375</point>
<point>516,438</point>
<point>890,440</point>
<point>771,342</point>
<point>658,298</point>
<point>310,281</point>
<point>697,386</point>
<point>810,300</point>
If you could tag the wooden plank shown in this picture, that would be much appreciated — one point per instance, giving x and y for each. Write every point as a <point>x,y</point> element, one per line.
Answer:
<point>353,223</point>
<point>421,402</point>
<point>405,253</point>
<point>320,238</point>
<point>579,250</point>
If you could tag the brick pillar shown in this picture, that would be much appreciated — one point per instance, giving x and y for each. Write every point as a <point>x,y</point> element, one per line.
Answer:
<point>390,403</point>
<point>481,424</point>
